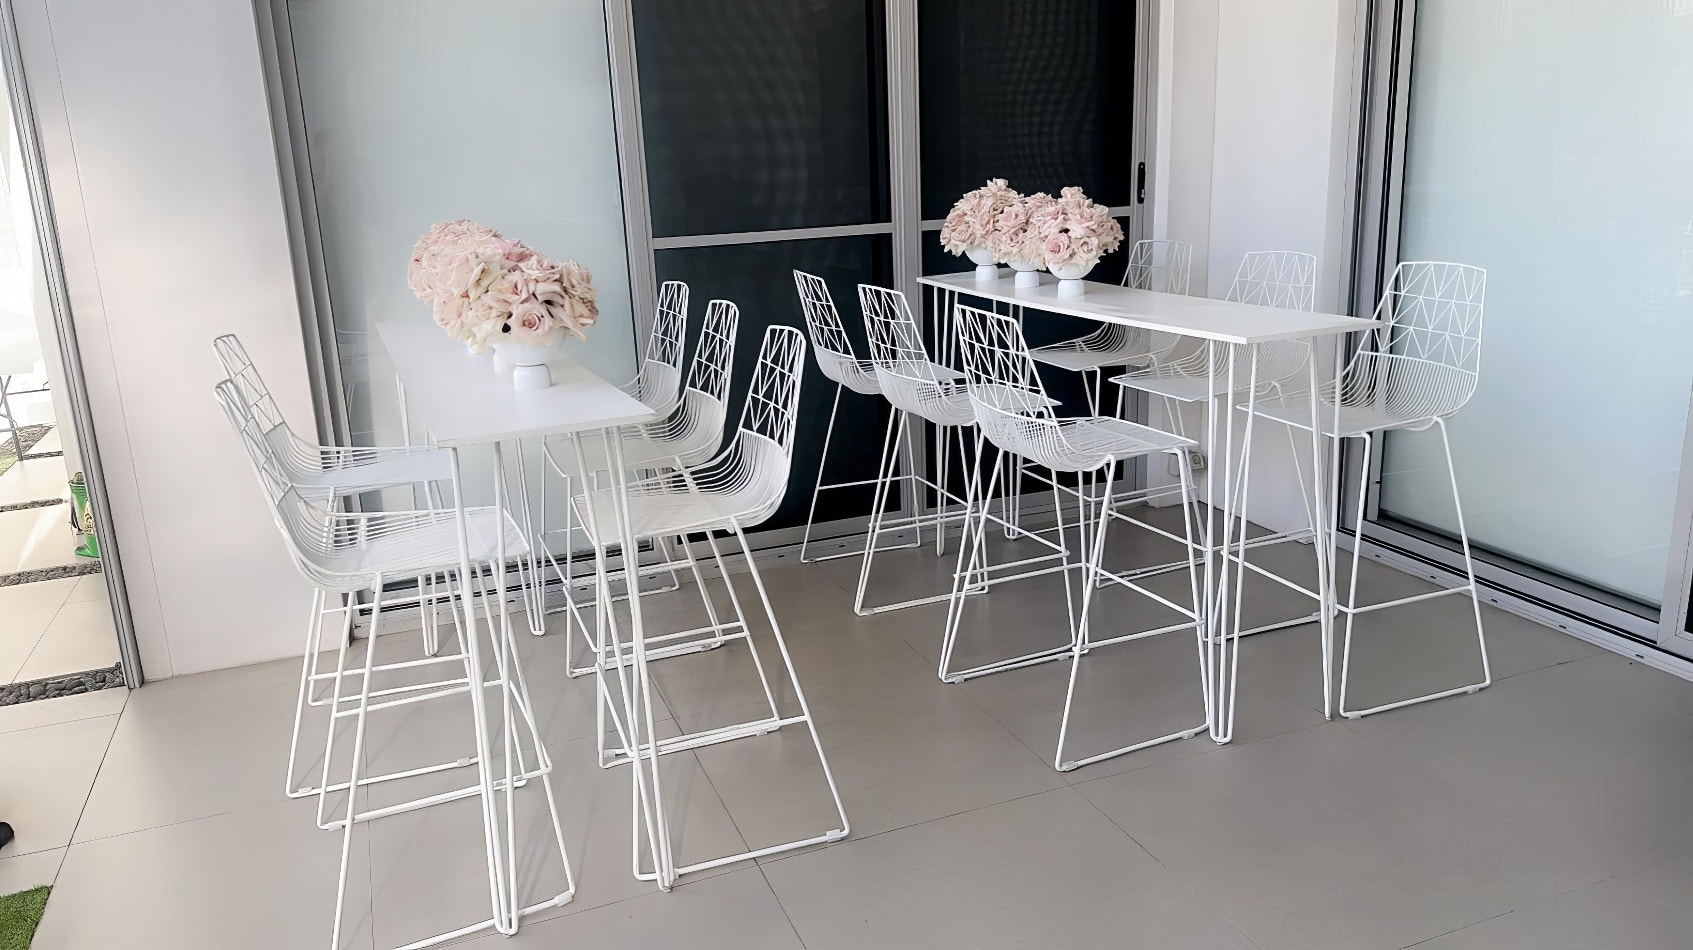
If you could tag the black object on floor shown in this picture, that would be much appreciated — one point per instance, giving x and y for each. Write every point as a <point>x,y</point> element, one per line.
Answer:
<point>5,834</point>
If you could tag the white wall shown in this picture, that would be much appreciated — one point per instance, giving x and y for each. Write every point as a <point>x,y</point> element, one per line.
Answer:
<point>163,174</point>
<point>1259,94</point>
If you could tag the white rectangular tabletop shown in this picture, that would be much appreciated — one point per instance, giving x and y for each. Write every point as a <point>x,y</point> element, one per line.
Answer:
<point>1199,317</point>
<point>461,400</point>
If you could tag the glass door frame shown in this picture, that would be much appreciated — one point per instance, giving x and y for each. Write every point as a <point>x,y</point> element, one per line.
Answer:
<point>1381,111</point>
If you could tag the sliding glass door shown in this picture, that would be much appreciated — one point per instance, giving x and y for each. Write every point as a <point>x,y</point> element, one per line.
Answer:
<point>415,111</point>
<point>765,132</point>
<point>831,136</point>
<point>1043,95</point>
<point>725,143</point>
<point>1550,143</point>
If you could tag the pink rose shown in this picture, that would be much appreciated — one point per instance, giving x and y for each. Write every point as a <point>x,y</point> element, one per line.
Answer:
<point>530,322</point>
<point>1044,215</point>
<point>972,220</point>
<point>1013,218</point>
<point>513,252</point>
<point>1086,249</point>
<point>1057,250</point>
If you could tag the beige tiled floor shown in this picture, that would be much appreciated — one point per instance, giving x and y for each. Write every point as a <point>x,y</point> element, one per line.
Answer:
<point>56,627</point>
<point>1545,812</point>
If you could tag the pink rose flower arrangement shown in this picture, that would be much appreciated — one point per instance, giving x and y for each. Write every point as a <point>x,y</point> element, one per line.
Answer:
<point>971,222</point>
<point>1078,231</point>
<point>485,287</point>
<point>1020,231</point>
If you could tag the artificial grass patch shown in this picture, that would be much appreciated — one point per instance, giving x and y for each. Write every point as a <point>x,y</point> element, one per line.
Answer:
<point>19,915</point>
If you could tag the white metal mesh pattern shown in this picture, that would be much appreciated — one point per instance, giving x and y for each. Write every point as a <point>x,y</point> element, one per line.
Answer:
<point>694,429</point>
<point>346,552</point>
<point>1283,279</point>
<point>829,341</point>
<point>322,470</point>
<point>1419,364</point>
<point>741,486</point>
<point>658,384</point>
<point>1012,408</point>
<point>1153,265</point>
<point>909,379</point>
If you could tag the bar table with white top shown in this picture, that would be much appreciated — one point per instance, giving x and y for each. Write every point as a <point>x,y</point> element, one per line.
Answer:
<point>462,401</point>
<point>1238,328</point>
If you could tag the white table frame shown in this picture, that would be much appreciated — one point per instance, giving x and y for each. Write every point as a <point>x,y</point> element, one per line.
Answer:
<point>1241,328</point>
<point>461,401</point>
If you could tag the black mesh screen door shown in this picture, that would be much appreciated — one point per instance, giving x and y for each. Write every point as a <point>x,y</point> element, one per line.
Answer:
<point>1042,95</point>
<point>765,128</point>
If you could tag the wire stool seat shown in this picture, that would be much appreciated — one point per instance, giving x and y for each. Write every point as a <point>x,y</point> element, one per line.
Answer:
<point>1161,266</point>
<point>1014,415</point>
<point>325,471</point>
<point>920,391</point>
<point>351,552</point>
<point>322,475</point>
<point>832,348</point>
<point>1281,279</point>
<point>658,382</point>
<point>1417,368</point>
<point>736,490</point>
<point>689,436</point>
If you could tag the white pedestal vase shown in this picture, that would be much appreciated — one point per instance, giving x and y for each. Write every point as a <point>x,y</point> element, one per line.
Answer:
<point>986,267</point>
<point>1070,278</point>
<point>528,362</point>
<point>1028,273</point>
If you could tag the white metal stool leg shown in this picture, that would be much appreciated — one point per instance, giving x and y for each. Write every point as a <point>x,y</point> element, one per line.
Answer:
<point>1470,588</point>
<point>1092,572</point>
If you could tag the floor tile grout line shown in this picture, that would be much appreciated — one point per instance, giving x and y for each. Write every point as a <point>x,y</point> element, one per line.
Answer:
<point>779,905</point>
<point>1454,930</point>
<point>774,859</point>
<point>1680,911</point>
<point>60,722</point>
<point>16,677</point>
<point>1179,878</point>
<point>89,795</point>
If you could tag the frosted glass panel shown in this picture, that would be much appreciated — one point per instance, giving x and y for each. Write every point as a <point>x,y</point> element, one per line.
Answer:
<point>422,110</point>
<point>1551,142</point>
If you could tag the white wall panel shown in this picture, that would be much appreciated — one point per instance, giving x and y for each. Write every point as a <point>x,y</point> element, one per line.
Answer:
<point>164,178</point>
<point>1260,106</point>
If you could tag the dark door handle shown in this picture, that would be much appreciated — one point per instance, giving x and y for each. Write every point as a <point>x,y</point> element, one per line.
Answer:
<point>1140,184</point>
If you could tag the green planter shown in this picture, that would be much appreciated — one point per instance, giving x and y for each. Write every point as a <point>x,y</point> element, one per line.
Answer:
<point>90,546</point>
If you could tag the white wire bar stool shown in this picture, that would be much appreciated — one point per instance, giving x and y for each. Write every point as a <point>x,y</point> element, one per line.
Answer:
<point>325,471</point>
<point>346,554</point>
<point>738,489</point>
<point>920,391</point>
<point>1285,280</point>
<point>1015,415</point>
<point>832,348</point>
<point>689,436</point>
<point>1415,370</point>
<point>1161,266</point>
<point>658,382</point>
<point>324,475</point>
